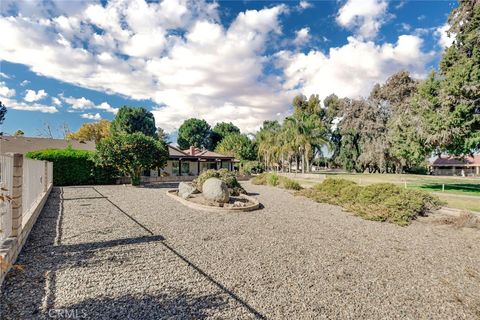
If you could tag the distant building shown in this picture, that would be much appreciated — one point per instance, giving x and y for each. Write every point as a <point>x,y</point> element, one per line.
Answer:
<point>456,166</point>
<point>20,144</point>
<point>193,161</point>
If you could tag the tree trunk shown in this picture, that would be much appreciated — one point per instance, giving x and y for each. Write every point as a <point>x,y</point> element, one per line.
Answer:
<point>303,162</point>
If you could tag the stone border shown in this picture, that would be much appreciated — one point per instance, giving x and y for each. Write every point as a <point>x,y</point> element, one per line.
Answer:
<point>172,194</point>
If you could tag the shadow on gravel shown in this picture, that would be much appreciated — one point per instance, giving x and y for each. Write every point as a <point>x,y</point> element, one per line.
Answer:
<point>170,305</point>
<point>30,286</point>
<point>29,289</point>
<point>162,185</point>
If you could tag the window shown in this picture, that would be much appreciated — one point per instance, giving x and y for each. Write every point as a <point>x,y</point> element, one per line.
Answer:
<point>226,165</point>
<point>185,168</point>
<point>175,168</point>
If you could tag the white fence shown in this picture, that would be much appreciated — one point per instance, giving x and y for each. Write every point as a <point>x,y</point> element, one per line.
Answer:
<point>33,186</point>
<point>27,183</point>
<point>6,184</point>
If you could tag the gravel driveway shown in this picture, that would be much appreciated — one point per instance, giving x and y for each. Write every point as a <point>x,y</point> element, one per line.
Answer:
<point>116,252</point>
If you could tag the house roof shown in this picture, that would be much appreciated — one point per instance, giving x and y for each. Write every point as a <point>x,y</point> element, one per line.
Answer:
<point>448,161</point>
<point>21,144</point>
<point>176,153</point>
<point>197,152</point>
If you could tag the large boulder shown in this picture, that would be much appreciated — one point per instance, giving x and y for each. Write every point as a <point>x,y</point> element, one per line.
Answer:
<point>216,190</point>
<point>186,189</point>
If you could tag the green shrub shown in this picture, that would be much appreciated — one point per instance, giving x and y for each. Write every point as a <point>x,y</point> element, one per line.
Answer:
<point>74,167</point>
<point>380,202</point>
<point>290,184</point>
<point>273,179</point>
<point>229,177</point>
<point>261,179</point>
<point>251,167</point>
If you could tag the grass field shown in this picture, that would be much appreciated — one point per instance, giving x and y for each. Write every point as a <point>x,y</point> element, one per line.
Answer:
<point>461,193</point>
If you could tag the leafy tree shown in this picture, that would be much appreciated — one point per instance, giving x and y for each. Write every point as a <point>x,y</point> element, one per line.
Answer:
<point>450,100</point>
<point>131,154</point>
<point>221,130</point>
<point>3,111</point>
<point>310,106</point>
<point>237,145</point>
<point>130,120</point>
<point>194,132</point>
<point>163,136</point>
<point>92,131</point>
<point>19,133</point>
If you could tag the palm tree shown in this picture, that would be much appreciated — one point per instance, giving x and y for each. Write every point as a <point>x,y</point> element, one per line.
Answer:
<point>305,133</point>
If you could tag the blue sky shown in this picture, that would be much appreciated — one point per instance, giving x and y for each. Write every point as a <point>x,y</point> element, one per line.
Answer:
<point>71,62</point>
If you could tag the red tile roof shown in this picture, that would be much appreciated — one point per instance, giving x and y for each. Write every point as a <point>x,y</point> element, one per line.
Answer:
<point>449,161</point>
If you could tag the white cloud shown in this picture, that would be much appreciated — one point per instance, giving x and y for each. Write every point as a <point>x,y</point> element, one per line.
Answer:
<point>6,94</point>
<point>353,69</point>
<point>302,36</point>
<point>32,96</point>
<point>6,91</point>
<point>106,107</point>
<point>20,105</point>
<point>444,39</point>
<point>24,83</point>
<point>79,103</point>
<point>4,75</point>
<point>177,54</point>
<point>364,16</point>
<point>90,116</point>
<point>56,101</point>
<point>86,104</point>
<point>305,5</point>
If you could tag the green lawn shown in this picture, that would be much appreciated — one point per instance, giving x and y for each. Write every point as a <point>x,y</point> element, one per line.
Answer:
<point>461,193</point>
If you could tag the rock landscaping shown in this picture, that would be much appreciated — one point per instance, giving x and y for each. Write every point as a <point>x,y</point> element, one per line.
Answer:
<point>135,253</point>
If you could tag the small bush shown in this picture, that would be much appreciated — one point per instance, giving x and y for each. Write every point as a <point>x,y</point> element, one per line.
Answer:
<point>229,177</point>
<point>465,219</point>
<point>261,179</point>
<point>290,184</point>
<point>273,179</point>
<point>74,167</point>
<point>379,202</point>
<point>251,167</point>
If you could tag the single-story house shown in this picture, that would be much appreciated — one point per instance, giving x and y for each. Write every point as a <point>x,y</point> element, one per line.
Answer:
<point>192,162</point>
<point>21,144</point>
<point>456,166</point>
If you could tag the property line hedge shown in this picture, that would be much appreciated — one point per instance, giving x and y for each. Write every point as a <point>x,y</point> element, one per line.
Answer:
<point>74,167</point>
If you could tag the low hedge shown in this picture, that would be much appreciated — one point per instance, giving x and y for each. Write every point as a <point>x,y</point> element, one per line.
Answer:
<point>74,167</point>
<point>273,179</point>
<point>379,202</point>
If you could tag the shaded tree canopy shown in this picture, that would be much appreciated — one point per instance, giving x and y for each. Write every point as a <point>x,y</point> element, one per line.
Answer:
<point>237,145</point>
<point>194,132</point>
<point>450,100</point>
<point>3,112</point>
<point>221,130</point>
<point>130,120</point>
